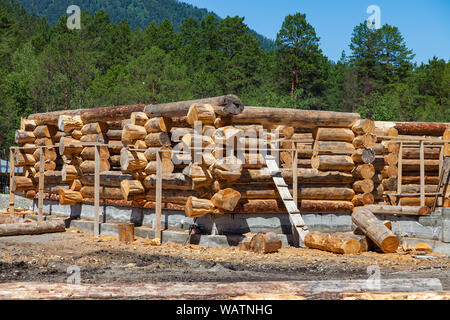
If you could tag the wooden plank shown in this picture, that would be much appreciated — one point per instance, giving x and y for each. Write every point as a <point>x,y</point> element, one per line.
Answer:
<point>11,179</point>
<point>158,212</point>
<point>41,185</point>
<point>400,169</point>
<point>422,175</point>
<point>97,192</point>
<point>295,175</point>
<point>284,193</point>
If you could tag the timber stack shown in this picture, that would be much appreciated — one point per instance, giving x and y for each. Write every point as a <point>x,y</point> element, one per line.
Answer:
<point>212,153</point>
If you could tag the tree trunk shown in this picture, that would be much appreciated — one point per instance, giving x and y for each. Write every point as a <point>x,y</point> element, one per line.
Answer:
<point>421,128</point>
<point>365,126</point>
<point>223,106</point>
<point>132,160</point>
<point>88,166</point>
<point>16,229</point>
<point>69,197</point>
<point>332,243</point>
<point>363,186</point>
<point>22,136</point>
<point>265,243</point>
<point>403,210</point>
<point>332,163</point>
<point>113,193</point>
<point>326,206</point>
<point>196,207</point>
<point>226,199</point>
<point>375,230</point>
<point>158,139</point>
<point>67,123</point>
<point>365,141</point>
<point>333,134</point>
<point>132,132</point>
<point>131,189</point>
<point>307,119</point>
<point>176,181</point>
<point>159,124</point>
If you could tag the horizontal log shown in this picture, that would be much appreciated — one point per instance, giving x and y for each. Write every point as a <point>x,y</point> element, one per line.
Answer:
<point>69,197</point>
<point>172,196</point>
<point>223,105</point>
<point>176,181</point>
<point>52,117</point>
<point>332,163</point>
<point>23,136</point>
<point>332,242</point>
<point>67,123</point>
<point>364,126</point>
<point>16,229</point>
<point>402,210</point>
<point>322,206</point>
<point>421,128</point>
<point>107,178</point>
<point>105,114</point>
<point>139,118</point>
<point>333,134</point>
<point>21,184</point>
<point>104,192</point>
<point>307,119</point>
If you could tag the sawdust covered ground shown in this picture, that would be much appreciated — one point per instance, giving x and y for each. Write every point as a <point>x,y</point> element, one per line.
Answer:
<point>46,258</point>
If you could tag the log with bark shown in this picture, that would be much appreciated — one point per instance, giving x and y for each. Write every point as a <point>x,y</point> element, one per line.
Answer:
<point>342,244</point>
<point>366,155</point>
<point>384,238</point>
<point>307,119</point>
<point>107,178</point>
<point>332,163</point>
<point>265,243</point>
<point>333,134</point>
<point>402,210</point>
<point>22,136</point>
<point>223,106</point>
<point>421,128</point>
<point>322,206</point>
<point>131,132</point>
<point>112,193</point>
<point>158,124</point>
<point>364,126</point>
<point>32,228</point>
<point>67,123</point>
<point>176,181</point>
<point>173,196</point>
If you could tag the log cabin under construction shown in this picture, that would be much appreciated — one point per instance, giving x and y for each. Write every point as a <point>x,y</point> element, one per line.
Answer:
<point>212,160</point>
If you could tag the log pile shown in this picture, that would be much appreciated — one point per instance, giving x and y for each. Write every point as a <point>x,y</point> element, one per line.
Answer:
<point>341,164</point>
<point>409,162</point>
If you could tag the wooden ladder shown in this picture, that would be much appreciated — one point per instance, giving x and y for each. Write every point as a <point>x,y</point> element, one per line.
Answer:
<point>443,181</point>
<point>299,228</point>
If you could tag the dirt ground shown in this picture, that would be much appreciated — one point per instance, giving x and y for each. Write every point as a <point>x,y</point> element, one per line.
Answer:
<point>46,258</point>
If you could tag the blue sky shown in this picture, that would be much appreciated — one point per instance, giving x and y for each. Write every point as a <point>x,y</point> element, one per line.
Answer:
<point>425,25</point>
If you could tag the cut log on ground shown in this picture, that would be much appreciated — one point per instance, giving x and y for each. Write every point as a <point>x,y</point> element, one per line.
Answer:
<point>16,229</point>
<point>375,230</point>
<point>332,243</point>
<point>265,243</point>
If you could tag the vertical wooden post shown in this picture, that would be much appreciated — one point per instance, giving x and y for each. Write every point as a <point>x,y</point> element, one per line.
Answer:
<point>400,169</point>
<point>422,175</point>
<point>97,192</point>
<point>158,213</point>
<point>41,185</point>
<point>11,181</point>
<point>295,176</point>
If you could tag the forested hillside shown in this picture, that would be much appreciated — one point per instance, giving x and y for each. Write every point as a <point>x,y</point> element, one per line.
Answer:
<point>45,68</point>
<point>138,13</point>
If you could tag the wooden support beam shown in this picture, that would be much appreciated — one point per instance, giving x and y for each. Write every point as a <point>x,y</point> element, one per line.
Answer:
<point>11,181</point>
<point>41,185</point>
<point>422,175</point>
<point>157,222</point>
<point>295,177</point>
<point>97,192</point>
<point>400,169</point>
